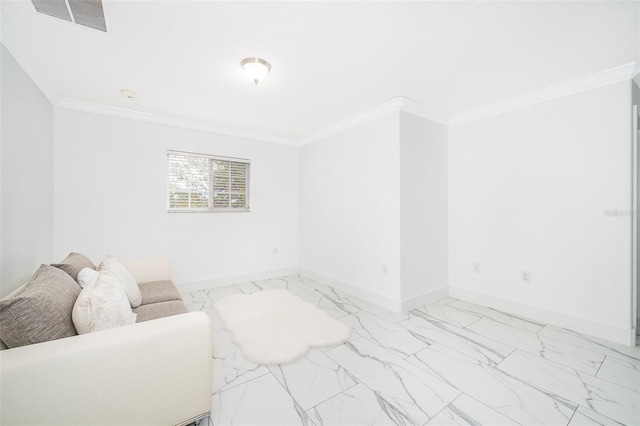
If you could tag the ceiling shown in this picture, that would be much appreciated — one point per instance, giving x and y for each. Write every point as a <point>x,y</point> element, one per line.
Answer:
<point>329,60</point>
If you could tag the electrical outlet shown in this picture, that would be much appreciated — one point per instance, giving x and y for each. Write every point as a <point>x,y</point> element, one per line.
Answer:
<point>476,268</point>
<point>385,270</point>
<point>526,277</point>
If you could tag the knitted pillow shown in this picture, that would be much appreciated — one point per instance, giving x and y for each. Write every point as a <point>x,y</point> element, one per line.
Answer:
<point>129,283</point>
<point>102,304</point>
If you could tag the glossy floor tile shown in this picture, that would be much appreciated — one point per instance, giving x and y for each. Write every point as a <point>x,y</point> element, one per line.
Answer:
<point>501,317</point>
<point>313,378</point>
<point>625,373</point>
<point>412,392</point>
<point>230,367</point>
<point>357,406</point>
<point>602,396</point>
<point>462,340</point>
<point>586,417</point>
<point>390,336</point>
<point>447,363</point>
<point>465,410</point>
<point>502,392</point>
<point>262,401</point>
<point>443,312</point>
<point>554,350</point>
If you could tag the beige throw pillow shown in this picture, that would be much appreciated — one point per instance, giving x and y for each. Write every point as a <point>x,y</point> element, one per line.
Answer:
<point>74,263</point>
<point>41,311</point>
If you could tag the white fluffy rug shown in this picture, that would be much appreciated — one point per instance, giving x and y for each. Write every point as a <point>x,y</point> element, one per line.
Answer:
<point>276,327</point>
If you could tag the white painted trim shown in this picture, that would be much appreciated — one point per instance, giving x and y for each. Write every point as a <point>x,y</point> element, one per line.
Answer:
<point>604,78</point>
<point>405,104</point>
<point>236,279</point>
<point>366,295</point>
<point>424,299</point>
<point>634,217</point>
<point>129,114</point>
<point>393,105</point>
<point>621,335</point>
<point>37,75</point>
<point>377,111</point>
<point>416,108</point>
<point>593,81</point>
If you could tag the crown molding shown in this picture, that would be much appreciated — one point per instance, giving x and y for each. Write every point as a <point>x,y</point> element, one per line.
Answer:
<point>9,39</point>
<point>393,105</point>
<point>37,75</point>
<point>352,121</point>
<point>416,108</point>
<point>81,106</point>
<point>593,81</point>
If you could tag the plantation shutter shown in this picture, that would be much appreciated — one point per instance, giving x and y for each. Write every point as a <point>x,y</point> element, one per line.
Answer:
<point>199,182</point>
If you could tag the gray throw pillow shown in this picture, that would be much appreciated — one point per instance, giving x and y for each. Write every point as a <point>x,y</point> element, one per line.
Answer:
<point>74,263</point>
<point>41,311</point>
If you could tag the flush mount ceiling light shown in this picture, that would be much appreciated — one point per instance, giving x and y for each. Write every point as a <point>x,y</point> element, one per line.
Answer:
<point>129,94</point>
<point>256,69</point>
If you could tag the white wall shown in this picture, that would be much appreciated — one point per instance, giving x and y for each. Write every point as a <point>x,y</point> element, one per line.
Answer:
<point>635,95</point>
<point>110,186</point>
<point>528,190</point>
<point>26,229</point>
<point>423,208</point>
<point>349,206</point>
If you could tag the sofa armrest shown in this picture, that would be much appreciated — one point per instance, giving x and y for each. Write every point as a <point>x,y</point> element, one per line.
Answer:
<point>151,373</point>
<point>148,270</point>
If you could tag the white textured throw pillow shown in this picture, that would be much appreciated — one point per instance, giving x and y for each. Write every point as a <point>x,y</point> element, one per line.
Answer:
<point>85,276</point>
<point>102,304</point>
<point>129,283</point>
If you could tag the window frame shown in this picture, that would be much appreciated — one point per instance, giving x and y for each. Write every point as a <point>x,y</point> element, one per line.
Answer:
<point>211,159</point>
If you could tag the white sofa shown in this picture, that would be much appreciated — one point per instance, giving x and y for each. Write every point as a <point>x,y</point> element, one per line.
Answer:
<point>156,372</point>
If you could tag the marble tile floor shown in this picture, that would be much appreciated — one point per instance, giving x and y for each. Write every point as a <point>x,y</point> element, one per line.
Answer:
<point>447,363</point>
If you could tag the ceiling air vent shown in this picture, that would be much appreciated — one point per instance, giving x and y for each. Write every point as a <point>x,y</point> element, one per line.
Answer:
<point>84,12</point>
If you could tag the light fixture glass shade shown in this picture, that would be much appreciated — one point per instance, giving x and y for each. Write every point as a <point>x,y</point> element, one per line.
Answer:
<point>256,69</point>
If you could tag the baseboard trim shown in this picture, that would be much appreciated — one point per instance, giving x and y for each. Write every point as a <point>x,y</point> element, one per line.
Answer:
<point>236,279</point>
<point>366,295</point>
<point>424,299</point>
<point>600,330</point>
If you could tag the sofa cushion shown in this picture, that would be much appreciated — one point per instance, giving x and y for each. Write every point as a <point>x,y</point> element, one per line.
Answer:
<point>158,291</point>
<point>41,310</point>
<point>102,304</point>
<point>74,263</point>
<point>159,310</point>
<point>129,284</point>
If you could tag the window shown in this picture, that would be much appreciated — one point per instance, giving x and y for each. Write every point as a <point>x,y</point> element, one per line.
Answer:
<point>205,183</point>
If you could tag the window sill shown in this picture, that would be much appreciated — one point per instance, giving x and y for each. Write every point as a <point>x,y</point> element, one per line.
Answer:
<point>211,211</point>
